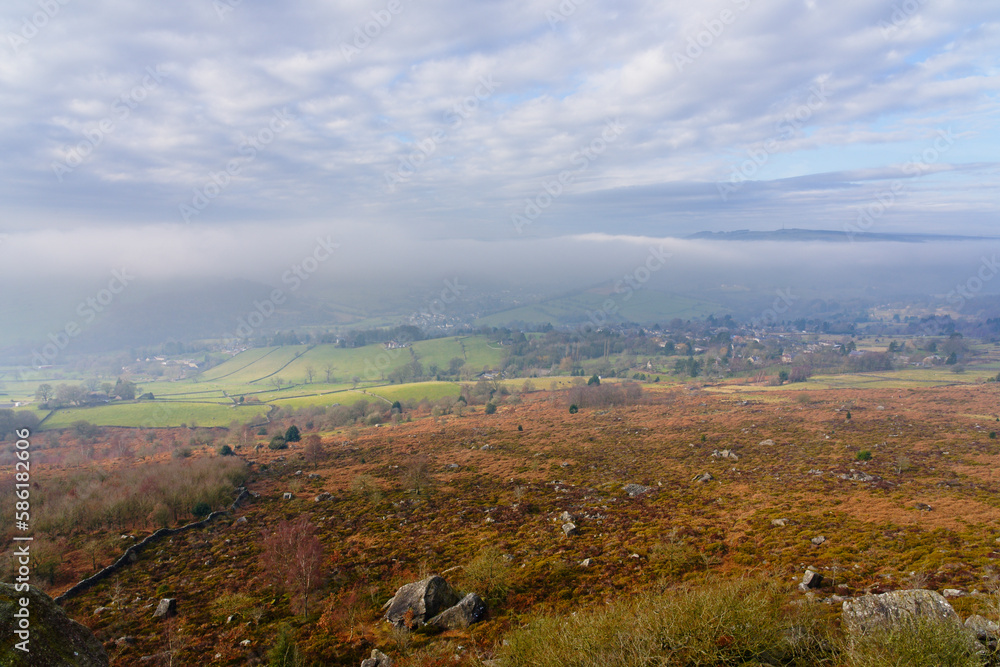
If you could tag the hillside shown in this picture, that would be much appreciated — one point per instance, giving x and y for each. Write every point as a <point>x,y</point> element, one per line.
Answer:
<point>478,497</point>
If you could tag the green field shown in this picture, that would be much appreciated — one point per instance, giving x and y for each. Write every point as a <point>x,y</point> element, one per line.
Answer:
<point>157,414</point>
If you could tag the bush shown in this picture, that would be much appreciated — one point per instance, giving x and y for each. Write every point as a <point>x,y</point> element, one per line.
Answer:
<point>488,575</point>
<point>277,442</point>
<point>226,450</point>
<point>285,652</point>
<point>573,409</point>
<point>864,455</point>
<point>201,510</point>
<point>993,435</point>
<point>491,408</point>
<point>292,434</point>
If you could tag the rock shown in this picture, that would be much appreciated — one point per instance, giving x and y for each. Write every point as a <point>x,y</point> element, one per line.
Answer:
<point>313,475</point>
<point>636,489</point>
<point>425,599</point>
<point>872,612</point>
<point>727,454</point>
<point>286,495</point>
<point>585,562</point>
<point>452,466</point>
<point>811,579</point>
<point>378,659</point>
<point>923,507</point>
<point>54,639</point>
<point>166,608</point>
<point>470,609</point>
<point>125,641</point>
<point>984,628</point>
<point>704,477</point>
<point>241,520</point>
<point>766,443</point>
<point>566,517</point>
<point>323,496</point>
<point>570,529</point>
<point>780,523</point>
<point>818,540</point>
<point>953,593</point>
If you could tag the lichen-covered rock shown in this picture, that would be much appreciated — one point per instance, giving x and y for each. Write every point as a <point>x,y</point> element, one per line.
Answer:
<point>872,612</point>
<point>54,640</point>
<point>636,489</point>
<point>415,604</point>
<point>166,608</point>
<point>570,529</point>
<point>378,659</point>
<point>471,609</point>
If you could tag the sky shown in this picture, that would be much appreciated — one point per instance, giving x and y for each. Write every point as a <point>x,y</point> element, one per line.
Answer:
<point>189,137</point>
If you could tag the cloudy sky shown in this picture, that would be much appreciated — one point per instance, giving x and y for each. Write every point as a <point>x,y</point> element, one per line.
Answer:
<point>215,128</point>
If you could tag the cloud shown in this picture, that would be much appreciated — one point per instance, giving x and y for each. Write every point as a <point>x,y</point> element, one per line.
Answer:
<point>844,94</point>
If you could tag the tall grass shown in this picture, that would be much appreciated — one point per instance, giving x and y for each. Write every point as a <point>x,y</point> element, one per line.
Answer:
<point>732,623</point>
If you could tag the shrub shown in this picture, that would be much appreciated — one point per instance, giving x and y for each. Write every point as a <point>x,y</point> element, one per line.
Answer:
<point>491,408</point>
<point>201,510</point>
<point>285,652</point>
<point>488,574</point>
<point>573,409</point>
<point>225,450</point>
<point>292,434</point>
<point>277,442</point>
<point>993,435</point>
<point>864,455</point>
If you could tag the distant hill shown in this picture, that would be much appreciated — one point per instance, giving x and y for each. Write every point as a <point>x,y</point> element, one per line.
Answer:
<point>831,236</point>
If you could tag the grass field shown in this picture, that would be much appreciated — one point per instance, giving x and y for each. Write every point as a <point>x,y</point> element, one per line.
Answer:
<point>158,414</point>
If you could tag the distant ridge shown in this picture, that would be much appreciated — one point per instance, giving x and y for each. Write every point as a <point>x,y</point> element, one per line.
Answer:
<point>831,236</point>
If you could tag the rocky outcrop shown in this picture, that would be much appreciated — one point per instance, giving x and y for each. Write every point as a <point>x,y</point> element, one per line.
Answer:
<point>471,609</point>
<point>872,612</point>
<point>433,602</point>
<point>378,659</point>
<point>636,489</point>
<point>415,604</point>
<point>53,637</point>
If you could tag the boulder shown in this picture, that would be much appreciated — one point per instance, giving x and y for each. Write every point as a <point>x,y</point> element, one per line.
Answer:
<point>54,639</point>
<point>378,659</point>
<point>811,580</point>
<point>322,497</point>
<point>766,443</point>
<point>780,523</point>
<point>985,629</point>
<point>818,540</point>
<point>287,496</point>
<point>570,529</point>
<point>871,612</point>
<point>566,517</point>
<point>415,604</point>
<point>471,609</point>
<point>704,477</point>
<point>636,489</point>
<point>166,608</point>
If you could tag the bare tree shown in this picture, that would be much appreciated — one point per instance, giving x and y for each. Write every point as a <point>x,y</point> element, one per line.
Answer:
<point>328,372</point>
<point>310,372</point>
<point>313,451</point>
<point>293,556</point>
